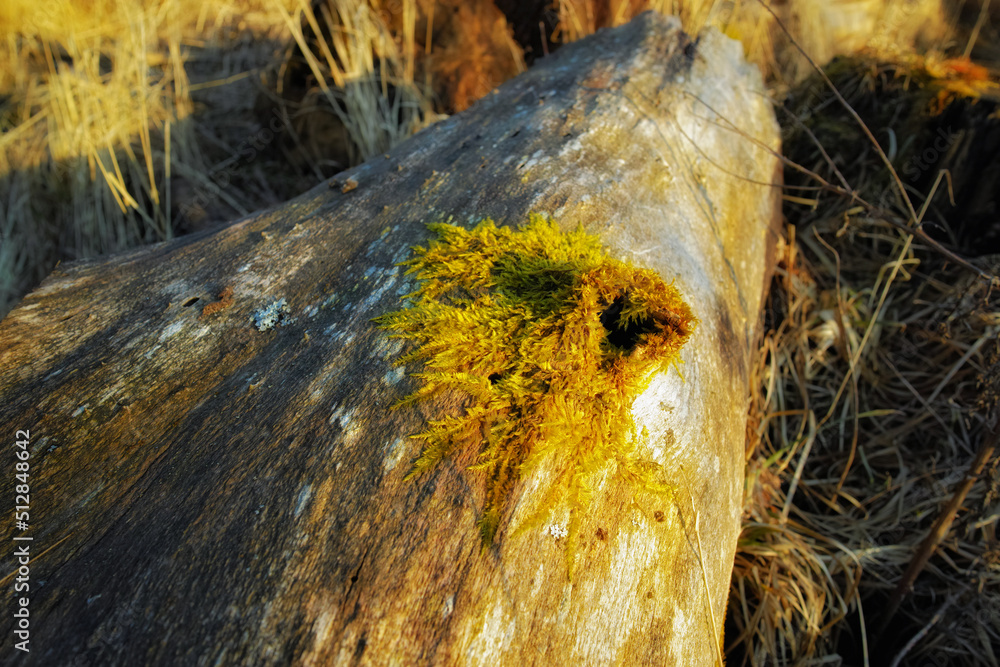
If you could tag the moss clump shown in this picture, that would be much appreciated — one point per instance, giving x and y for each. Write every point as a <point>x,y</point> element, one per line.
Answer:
<point>550,340</point>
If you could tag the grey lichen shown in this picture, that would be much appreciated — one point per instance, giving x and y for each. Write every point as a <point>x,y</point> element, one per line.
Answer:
<point>276,313</point>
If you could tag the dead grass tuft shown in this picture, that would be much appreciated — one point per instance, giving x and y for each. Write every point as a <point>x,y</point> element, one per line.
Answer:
<point>875,426</point>
<point>96,107</point>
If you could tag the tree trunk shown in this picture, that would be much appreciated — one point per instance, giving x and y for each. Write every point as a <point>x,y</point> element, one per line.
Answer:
<point>216,476</point>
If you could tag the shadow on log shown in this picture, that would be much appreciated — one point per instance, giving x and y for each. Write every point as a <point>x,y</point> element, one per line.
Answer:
<point>215,473</point>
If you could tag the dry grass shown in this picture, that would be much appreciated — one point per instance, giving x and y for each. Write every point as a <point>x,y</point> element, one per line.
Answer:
<point>95,104</point>
<point>875,404</point>
<point>125,123</point>
<point>72,105</point>
<point>102,148</point>
<point>867,417</point>
<point>365,79</point>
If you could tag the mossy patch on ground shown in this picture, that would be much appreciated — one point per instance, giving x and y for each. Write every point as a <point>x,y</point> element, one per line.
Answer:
<point>550,340</point>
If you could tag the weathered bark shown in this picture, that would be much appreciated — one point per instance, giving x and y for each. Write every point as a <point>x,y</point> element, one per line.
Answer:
<point>203,492</point>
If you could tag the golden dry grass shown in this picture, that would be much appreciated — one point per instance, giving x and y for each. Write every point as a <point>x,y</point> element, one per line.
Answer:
<point>95,104</point>
<point>102,148</point>
<point>874,422</point>
<point>868,415</point>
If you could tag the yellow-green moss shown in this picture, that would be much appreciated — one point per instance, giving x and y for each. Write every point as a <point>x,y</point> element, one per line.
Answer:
<point>550,341</point>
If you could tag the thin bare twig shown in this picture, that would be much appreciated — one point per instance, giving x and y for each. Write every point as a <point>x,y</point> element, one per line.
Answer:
<point>850,193</point>
<point>850,110</point>
<point>919,232</point>
<point>941,527</point>
<point>924,630</point>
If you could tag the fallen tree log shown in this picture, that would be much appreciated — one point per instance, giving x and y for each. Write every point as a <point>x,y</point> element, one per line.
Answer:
<point>215,473</point>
